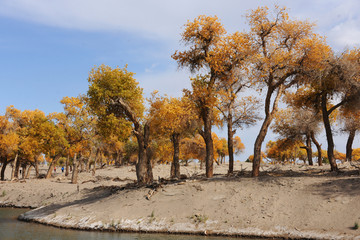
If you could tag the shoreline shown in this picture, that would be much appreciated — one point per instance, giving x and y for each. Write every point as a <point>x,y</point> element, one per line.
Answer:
<point>284,204</point>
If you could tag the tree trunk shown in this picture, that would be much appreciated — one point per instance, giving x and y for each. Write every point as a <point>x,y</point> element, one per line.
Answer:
<point>36,166</point>
<point>74,176</point>
<point>209,158</point>
<point>52,165</point>
<point>329,136</point>
<point>175,165</point>
<point>27,175</point>
<point>3,167</point>
<point>118,159</point>
<point>17,168</point>
<point>309,149</point>
<point>230,144</point>
<point>318,147</point>
<point>67,166</point>
<point>257,146</point>
<point>24,168</point>
<point>349,144</point>
<point>15,164</point>
<point>143,165</point>
<point>264,127</point>
<point>88,163</point>
<point>81,163</point>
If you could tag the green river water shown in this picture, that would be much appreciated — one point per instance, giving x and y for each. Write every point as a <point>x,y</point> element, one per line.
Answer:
<point>12,229</point>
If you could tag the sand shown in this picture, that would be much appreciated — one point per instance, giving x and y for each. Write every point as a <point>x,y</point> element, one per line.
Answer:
<point>287,201</point>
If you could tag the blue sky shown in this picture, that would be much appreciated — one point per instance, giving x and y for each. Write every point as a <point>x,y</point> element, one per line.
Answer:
<point>47,48</point>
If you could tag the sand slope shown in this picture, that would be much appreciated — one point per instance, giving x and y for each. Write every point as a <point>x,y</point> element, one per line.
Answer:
<point>286,201</point>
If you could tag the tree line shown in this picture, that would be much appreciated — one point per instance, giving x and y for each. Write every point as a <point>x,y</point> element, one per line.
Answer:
<point>281,59</point>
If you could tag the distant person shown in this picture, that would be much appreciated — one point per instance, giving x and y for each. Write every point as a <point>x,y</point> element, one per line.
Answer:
<point>62,169</point>
<point>54,169</point>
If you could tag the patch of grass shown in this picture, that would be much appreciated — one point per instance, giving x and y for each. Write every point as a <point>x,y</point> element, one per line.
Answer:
<point>199,218</point>
<point>3,193</point>
<point>152,217</point>
<point>356,226</point>
<point>113,225</point>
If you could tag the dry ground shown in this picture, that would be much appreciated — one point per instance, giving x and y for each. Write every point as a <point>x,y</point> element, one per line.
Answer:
<point>294,201</point>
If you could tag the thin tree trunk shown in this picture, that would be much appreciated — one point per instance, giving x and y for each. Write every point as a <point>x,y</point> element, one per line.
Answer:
<point>81,162</point>
<point>88,163</point>
<point>24,168</point>
<point>67,165</point>
<point>74,176</point>
<point>118,159</point>
<point>175,164</point>
<point>349,144</point>
<point>3,167</point>
<point>318,147</point>
<point>230,144</point>
<point>36,166</point>
<point>52,165</point>
<point>309,149</point>
<point>17,169</point>
<point>14,167</point>
<point>329,136</point>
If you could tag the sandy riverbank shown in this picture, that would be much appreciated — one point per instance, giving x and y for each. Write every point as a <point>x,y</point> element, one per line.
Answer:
<point>286,201</point>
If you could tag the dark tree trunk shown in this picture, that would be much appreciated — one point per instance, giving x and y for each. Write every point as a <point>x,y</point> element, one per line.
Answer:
<point>230,144</point>
<point>36,166</point>
<point>24,167</point>
<point>309,149</point>
<point>3,167</point>
<point>318,147</point>
<point>90,160</point>
<point>329,136</point>
<point>17,168</point>
<point>74,176</point>
<point>119,159</point>
<point>349,144</point>
<point>81,163</point>
<point>143,165</point>
<point>67,166</point>
<point>175,165</point>
<point>209,157</point>
<point>264,127</point>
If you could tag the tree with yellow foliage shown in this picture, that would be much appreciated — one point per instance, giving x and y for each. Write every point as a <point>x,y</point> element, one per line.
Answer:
<point>31,138</point>
<point>202,36</point>
<point>9,140</point>
<point>173,118</point>
<point>298,124</point>
<point>350,117</point>
<point>285,151</point>
<point>54,143</point>
<point>284,48</point>
<point>115,91</point>
<point>331,86</point>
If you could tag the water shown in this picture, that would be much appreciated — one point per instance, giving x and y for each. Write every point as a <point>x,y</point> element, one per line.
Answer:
<point>12,229</point>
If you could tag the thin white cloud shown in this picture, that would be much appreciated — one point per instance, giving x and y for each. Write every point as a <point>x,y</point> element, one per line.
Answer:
<point>170,82</point>
<point>346,34</point>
